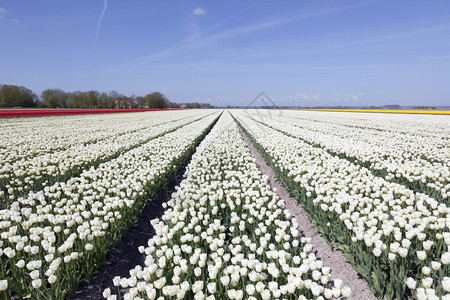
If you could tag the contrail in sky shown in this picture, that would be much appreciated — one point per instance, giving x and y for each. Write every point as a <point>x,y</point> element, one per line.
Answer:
<point>99,23</point>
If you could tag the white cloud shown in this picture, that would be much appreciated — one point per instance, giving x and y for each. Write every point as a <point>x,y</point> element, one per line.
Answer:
<point>2,11</point>
<point>208,39</point>
<point>199,11</point>
<point>16,21</point>
<point>351,98</point>
<point>99,23</point>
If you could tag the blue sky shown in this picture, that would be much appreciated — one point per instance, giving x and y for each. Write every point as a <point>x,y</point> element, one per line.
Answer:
<point>226,52</point>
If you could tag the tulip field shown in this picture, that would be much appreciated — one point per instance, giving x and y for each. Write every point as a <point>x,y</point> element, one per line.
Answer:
<point>375,185</point>
<point>55,231</point>
<point>61,152</point>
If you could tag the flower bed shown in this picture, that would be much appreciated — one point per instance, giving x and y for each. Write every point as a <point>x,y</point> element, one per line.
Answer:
<point>226,235</point>
<point>397,239</point>
<point>415,158</point>
<point>21,176</point>
<point>54,238</point>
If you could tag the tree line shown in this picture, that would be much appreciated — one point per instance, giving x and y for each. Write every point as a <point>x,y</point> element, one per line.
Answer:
<point>18,96</point>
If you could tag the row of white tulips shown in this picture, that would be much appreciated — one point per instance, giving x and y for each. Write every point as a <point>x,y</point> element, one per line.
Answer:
<point>421,162</point>
<point>53,238</point>
<point>22,176</point>
<point>397,239</point>
<point>402,133</point>
<point>406,128</point>
<point>422,159</point>
<point>22,138</point>
<point>226,235</point>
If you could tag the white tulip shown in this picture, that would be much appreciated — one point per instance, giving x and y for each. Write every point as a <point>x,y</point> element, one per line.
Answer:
<point>225,280</point>
<point>338,283</point>
<point>36,283</point>
<point>52,279</point>
<point>3,285</point>
<point>212,287</point>
<point>427,282</point>
<point>446,284</point>
<point>421,255</point>
<point>426,270</point>
<point>346,292</point>
<point>106,293</point>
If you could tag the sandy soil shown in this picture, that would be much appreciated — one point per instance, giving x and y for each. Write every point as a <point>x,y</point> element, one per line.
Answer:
<point>330,255</point>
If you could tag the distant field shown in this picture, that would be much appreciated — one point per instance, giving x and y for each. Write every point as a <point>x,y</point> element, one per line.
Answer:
<point>392,111</point>
<point>42,112</point>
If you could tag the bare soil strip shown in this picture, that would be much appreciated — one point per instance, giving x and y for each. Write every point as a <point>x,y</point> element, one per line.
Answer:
<point>329,254</point>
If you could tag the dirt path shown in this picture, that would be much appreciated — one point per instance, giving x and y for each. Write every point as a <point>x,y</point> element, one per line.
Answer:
<point>331,256</point>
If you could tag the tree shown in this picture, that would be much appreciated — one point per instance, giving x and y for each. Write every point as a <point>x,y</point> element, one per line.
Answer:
<point>17,96</point>
<point>54,98</point>
<point>113,99</point>
<point>156,100</point>
<point>112,102</point>
<point>71,100</point>
<point>103,101</point>
<point>78,99</point>
<point>173,105</point>
<point>192,105</point>
<point>92,99</point>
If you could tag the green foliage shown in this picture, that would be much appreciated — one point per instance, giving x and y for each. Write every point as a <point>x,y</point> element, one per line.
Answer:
<point>196,105</point>
<point>104,101</point>
<point>156,100</point>
<point>54,98</point>
<point>17,96</point>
